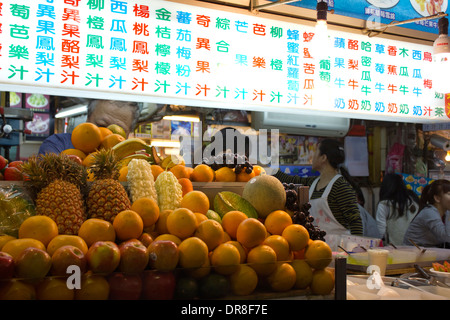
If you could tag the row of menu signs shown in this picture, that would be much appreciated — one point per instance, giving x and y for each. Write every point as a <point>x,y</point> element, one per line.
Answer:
<point>171,52</point>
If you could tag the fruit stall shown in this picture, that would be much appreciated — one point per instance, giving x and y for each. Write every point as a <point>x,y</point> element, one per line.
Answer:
<point>114,221</point>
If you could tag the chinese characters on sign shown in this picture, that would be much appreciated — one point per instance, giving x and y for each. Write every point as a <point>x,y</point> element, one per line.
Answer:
<point>170,50</point>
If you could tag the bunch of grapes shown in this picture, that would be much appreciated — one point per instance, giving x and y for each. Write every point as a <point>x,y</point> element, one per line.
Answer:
<point>301,214</point>
<point>230,160</point>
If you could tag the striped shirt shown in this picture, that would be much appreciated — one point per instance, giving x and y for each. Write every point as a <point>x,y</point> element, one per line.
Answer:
<point>341,199</point>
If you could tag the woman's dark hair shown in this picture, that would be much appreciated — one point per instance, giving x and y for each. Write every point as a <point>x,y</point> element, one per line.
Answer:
<point>436,188</point>
<point>394,189</point>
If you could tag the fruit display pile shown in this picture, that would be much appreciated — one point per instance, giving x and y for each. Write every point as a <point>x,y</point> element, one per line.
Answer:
<point>131,226</point>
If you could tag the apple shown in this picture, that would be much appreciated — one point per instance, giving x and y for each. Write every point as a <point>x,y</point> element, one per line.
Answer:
<point>16,164</point>
<point>146,239</point>
<point>75,158</point>
<point>158,285</point>
<point>33,263</point>
<point>66,256</point>
<point>3,162</point>
<point>103,257</point>
<point>163,255</point>
<point>125,286</point>
<point>133,256</point>
<point>12,174</point>
<point>6,266</point>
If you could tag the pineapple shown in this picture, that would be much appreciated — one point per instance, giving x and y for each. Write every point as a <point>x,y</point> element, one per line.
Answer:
<point>107,197</point>
<point>57,184</point>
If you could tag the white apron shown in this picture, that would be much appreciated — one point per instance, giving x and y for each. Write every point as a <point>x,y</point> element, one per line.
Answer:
<point>321,212</point>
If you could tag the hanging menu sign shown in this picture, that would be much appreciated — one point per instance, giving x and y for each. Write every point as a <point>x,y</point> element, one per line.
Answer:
<point>147,50</point>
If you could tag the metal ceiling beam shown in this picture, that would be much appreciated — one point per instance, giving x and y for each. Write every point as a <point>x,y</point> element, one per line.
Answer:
<point>254,4</point>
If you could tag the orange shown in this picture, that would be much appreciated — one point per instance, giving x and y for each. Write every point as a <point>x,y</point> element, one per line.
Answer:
<point>111,140</point>
<point>4,238</point>
<point>225,174</point>
<point>200,272</point>
<point>161,224</point>
<point>196,201</point>
<point>182,222</point>
<point>276,221</point>
<point>279,245</point>
<point>244,177</point>
<point>251,232</point>
<point>225,259</point>
<point>211,232</point>
<point>41,228</point>
<point>262,259</point>
<point>148,209</point>
<point>86,137</point>
<point>93,287</point>
<point>241,249</point>
<point>200,217</point>
<point>322,282</point>
<point>105,132</point>
<point>318,254</point>
<point>186,185</point>
<point>258,170</point>
<point>64,240</point>
<point>54,288</point>
<point>193,253</point>
<point>226,237</point>
<point>179,171</point>
<point>156,170</point>
<point>244,281</point>
<point>17,290</point>
<point>128,225</point>
<point>231,221</point>
<point>202,173</point>
<point>16,246</point>
<point>189,171</point>
<point>297,236</point>
<point>168,236</point>
<point>93,230</point>
<point>89,160</point>
<point>303,273</point>
<point>283,278</point>
<point>123,172</point>
<point>75,152</point>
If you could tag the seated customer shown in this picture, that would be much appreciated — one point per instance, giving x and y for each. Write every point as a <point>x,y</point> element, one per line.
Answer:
<point>430,227</point>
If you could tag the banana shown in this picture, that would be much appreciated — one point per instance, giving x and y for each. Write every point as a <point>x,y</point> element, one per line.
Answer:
<point>130,146</point>
<point>127,159</point>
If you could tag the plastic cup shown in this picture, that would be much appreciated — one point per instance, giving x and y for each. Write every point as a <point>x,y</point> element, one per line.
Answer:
<point>378,257</point>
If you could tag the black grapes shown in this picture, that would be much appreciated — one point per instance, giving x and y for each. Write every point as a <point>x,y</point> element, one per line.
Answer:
<point>301,214</point>
<point>231,160</point>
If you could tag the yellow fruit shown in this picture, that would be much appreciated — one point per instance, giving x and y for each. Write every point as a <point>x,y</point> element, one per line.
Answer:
<point>243,281</point>
<point>241,249</point>
<point>225,259</point>
<point>200,217</point>
<point>277,221</point>
<point>283,278</point>
<point>86,137</point>
<point>54,288</point>
<point>179,171</point>
<point>262,259</point>
<point>244,176</point>
<point>250,233</point>
<point>322,282</point>
<point>128,225</point>
<point>93,230</point>
<point>111,140</point>
<point>211,232</point>
<point>93,287</point>
<point>89,160</point>
<point>318,254</point>
<point>16,246</point>
<point>17,290</point>
<point>200,272</point>
<point>161,224</point>
<point>193,253</point>
<point>114,128</point>
<point>303,273</point>
<point>196,201</point>
<point>258,170</point>
<point>156,170</point>
<point>123,172</point>
<point>41,228</point>
<point>168,236</point>
<point>279,245</point>
<point>148,209</point>
<point>4,238</point>
<point>202,173</point>
<point>75,152</point>
<point>225,174</point>
<point>297,236</point>
<point>65,239</point>
<point>105,132</point>
<point>182,222</point>
<point>231,221</point>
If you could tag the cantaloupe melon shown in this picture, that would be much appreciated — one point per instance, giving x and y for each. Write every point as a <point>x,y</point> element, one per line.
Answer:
<point>266,193</point>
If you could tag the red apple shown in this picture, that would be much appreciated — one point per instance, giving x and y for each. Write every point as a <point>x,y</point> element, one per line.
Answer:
<point>163,255</point>
<point>75,158</point>
<point>125,286</point>
<point>66,256</point>
<point>3,162</point>
<point>33,263</point>
<point>133,256</point>
<point>12,174</point>
<point>6,266</point>
<point>103,257</point>
<point>158,285</point>
<point>16,164</point>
